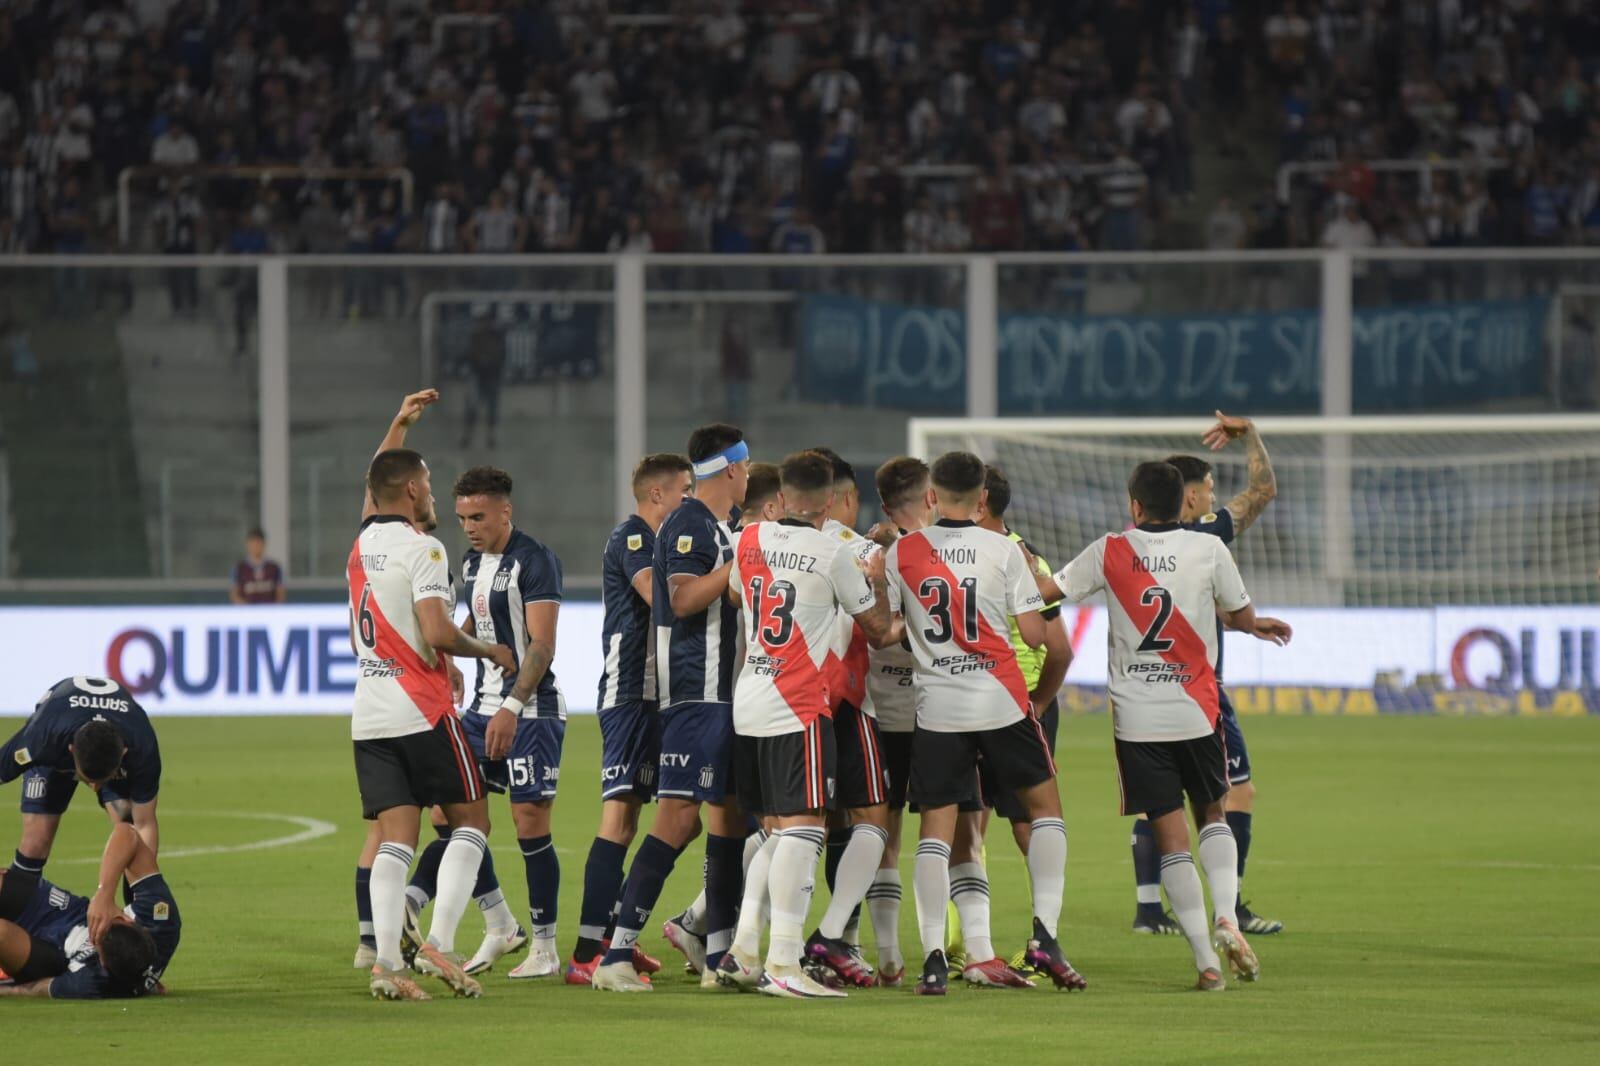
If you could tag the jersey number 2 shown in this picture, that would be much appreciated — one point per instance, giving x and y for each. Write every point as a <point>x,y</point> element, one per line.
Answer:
<point>1153,640</point>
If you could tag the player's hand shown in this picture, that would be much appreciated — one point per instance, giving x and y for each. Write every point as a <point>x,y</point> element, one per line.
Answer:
<point>412,406</point>
<point>103,910</point>
<point>1272,630</point>
<point>884,534</point>
<point>499,734</point>
<point>502,657</point>
<point>1228,427</point>
<point>873,567</point>
<point>458,685</point>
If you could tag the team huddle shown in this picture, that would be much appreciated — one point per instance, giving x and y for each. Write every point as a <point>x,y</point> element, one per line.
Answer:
<point>787,688</point>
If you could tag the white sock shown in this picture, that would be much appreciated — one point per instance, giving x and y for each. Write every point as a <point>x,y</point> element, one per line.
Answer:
<point>417,897</point>
<point>497,916</point>
<point>1219,855</point>
<point>458,872</point>
<point>752,844</point>
<point>388,891</point>
<point>883,907</point>
<point>969,891</point>
<point>1047,870</point>
<point>789,884</point>
<point>930,878</point>
<point>694,916</point>
<point>857,868</point>
<point>1188,899</point>
<point>753,907</point>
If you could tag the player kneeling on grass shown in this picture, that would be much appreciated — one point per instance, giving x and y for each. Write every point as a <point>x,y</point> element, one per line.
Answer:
<point>1163,585</point>
<point>56,944</point>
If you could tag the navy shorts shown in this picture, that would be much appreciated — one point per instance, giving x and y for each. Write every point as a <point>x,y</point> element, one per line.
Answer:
<point>533,768</point>
<point>630,749</point>
<point>46,791</point>
<point>696,752</point>
<point>1233,736</point>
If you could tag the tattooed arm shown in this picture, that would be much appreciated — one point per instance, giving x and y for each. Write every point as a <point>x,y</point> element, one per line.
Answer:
<point>1263,483</point>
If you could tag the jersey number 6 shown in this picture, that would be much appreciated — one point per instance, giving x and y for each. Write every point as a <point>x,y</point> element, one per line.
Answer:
<point>366,625</point>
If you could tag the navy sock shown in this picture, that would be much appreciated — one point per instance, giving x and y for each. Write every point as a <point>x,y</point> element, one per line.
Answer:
<point>1239,822</point>
<point>544,883</point>
<point>426,876</point>
<point>488,881</point>
<point>652,865</point>
<point>602,882</point>
<point>1146,865</point>
<point>364,905</point>
<point>724,889</point>
<point>837,842</point>
<point>27,864</point>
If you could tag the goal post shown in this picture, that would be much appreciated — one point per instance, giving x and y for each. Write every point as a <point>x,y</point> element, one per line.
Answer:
<point>1370,511</point>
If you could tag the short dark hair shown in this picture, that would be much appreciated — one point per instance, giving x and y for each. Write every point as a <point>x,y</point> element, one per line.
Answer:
<point>765,479</point>
<point>1192,467</point>
<point>712,439</point>
<point>97,750</point>
<point>256,533</point>
<point>958,473</point>
<point>390,470</point>
<point>1158,488</point>
<point>659,465</point>
<point>843,472</point>
<point>999,490</point>
<point>806,473</point>
<point>483,481</point>
<point>901,480</point>
<point>127,952</point>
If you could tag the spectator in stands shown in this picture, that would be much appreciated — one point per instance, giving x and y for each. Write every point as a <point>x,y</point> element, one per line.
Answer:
<point>179,219</point>
<point>257,579</point>
<point>175,147</point>
<point>1348,231</point>
<point>486,362</point>
<point>1123,191</point>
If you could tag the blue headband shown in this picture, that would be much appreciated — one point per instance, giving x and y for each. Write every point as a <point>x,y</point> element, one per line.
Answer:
<point>737,452</point>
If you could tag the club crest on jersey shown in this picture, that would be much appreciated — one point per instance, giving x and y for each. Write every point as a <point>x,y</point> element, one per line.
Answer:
<point>635,542</point>
<point>502,581</point>
<point>161,912</point>
<point>1207,518</point>
<point>22,757</point>
<point>685,544</point>
<point>436,555</point>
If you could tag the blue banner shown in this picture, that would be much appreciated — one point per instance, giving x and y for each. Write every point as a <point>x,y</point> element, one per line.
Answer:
<point>1412,357</point>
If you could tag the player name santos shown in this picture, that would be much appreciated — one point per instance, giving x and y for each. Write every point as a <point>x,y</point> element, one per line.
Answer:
<point>781,560</point>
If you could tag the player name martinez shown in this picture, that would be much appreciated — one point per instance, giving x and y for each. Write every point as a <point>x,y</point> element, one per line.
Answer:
<point>1155,564</point>
<point>381,668</point>
<point>964,664</point>
<point>371,563</point>
<point>778,560</point>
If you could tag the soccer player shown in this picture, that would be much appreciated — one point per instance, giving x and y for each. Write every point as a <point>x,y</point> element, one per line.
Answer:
<point>87,729</point>
<point>517,720</point>
<point>958,586</point>
<point>906,497</point>
<point>410,749</point>
<point>793,579</point>
<point>1163,585</point>
<point>695,630</point>
<point>630,726</point>
<point>56,944</point>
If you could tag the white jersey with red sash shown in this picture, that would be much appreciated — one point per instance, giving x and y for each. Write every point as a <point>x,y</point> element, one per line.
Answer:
<point>850,662</point>
<point>1164,585</point>
<point>401,685</point>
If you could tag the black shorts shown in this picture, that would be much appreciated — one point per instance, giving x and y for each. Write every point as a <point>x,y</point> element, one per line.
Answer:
<point>863,779</point>
<point>1155,775</point>
<point>1005,803</point>
<point>418,770</point>
<point>944,766</point>
<point>896,748</point>
<point>787,774</point>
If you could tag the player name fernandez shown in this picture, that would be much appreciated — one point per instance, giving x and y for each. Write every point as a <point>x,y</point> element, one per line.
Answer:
<point>780,560</point>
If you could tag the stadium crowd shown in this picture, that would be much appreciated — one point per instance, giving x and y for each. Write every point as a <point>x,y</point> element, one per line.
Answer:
<point>796,125</point>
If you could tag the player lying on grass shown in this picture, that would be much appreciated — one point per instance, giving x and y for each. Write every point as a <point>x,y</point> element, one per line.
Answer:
<point>1164,584</point>
<point>87,729</point>
<point>56,944</point>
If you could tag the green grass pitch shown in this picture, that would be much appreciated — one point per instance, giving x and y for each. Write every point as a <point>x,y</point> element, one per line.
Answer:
<point>1438,877</point>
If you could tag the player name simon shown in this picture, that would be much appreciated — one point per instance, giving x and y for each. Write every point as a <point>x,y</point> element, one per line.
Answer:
<point>780,560</point>
<point>955,553</point>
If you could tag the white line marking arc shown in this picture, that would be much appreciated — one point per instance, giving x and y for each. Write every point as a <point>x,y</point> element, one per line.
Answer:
<point>310,829</point>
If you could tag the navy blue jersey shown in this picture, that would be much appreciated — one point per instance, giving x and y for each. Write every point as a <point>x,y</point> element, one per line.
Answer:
<point>627,640</point>
<point>1220,525</point>
<point>44,741</point>
<point>695,656</point>
<point>498,588</point>
<point>153,908</point>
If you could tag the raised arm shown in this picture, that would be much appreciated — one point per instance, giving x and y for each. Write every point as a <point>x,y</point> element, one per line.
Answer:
<point>411,409</point>
<point>1262,485</point>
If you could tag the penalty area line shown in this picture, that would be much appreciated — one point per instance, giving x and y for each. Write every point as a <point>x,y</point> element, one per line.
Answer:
<point>309,829</point>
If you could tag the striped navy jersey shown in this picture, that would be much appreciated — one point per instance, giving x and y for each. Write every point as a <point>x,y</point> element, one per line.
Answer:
<point>45,740</point>
<point>1219,524</point>
<point>498,588</point>
<point>627,638</point>
<point>696,656</point>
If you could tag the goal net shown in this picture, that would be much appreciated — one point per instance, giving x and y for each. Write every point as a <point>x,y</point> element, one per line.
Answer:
<point>1380,512</point>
